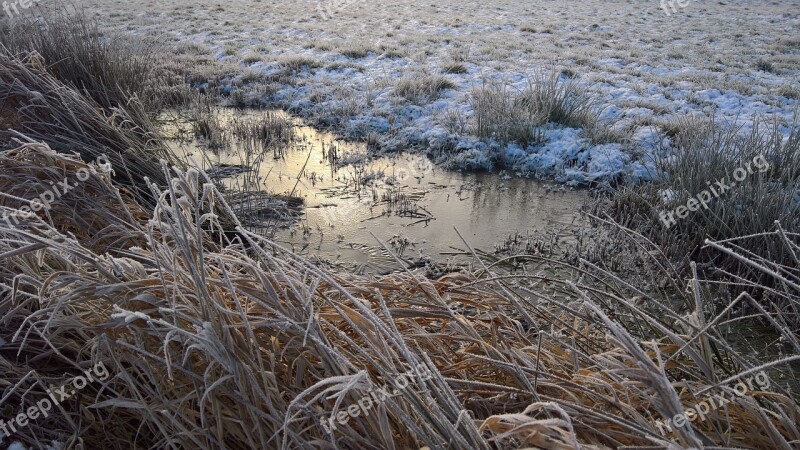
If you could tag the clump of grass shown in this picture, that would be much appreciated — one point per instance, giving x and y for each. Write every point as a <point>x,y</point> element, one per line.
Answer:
<point>509,115</point>
<point>356,50</point>
<point>789,91</point>
<point>206,124</point>
<point>340,65</point>
<point>268,129</point>
<point>108,69</point>
<point>323,46</point>
<point>43,108</point>
<point>201,73</point>
<point>455,68</point>
<point>210,131</point>
<point>561,101</point>
<point>603,132</point>
<point>454,121</point>
<point>419,89</point>
<point>394,52</point>
<point>499,113</point>
<point>459,53</point>
<point>252,58</point>
<point>232,48</point>
<point>765,66</point>
<point>569,73</point>
<point>298,63</point>
<point>191,48</point>
<point>704,152</point>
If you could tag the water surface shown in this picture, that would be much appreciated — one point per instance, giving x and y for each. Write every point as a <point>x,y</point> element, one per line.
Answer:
<point>403,202</point>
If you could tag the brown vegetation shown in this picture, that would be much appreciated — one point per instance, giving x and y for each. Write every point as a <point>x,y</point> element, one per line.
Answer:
<point>211,345</point>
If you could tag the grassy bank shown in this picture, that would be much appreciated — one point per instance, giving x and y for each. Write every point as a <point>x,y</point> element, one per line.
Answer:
<point>210,345</point>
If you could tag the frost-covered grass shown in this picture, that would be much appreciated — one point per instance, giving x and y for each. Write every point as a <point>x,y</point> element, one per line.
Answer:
<point>749,181</point>
<point>643,67</point>
<point>560,100</point>
<point>501,114</point>
<point>43,107</point>
<point>211,343</point>
<point>422,88</point>
<point>110,71</point>
<point>297,63</point>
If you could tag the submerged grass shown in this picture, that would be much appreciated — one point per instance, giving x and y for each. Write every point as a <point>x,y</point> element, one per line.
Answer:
<point>268,129</point>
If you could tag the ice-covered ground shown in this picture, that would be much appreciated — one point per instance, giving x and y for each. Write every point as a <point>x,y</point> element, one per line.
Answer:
<point>337,62</point>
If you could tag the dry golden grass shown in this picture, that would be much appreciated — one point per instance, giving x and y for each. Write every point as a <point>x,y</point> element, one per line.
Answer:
<point>99,215</point>
<point>215,343</point>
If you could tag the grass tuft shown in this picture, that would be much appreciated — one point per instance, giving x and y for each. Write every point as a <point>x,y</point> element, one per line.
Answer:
<point>37,106</point>
<point>455,68</point>
<point>299,63</point>
<point>356,50</point>
<point>508,115</point>
<point>108,69</point>
<point>500,114</point>
<point>420,89</point>
<point>561,101</point>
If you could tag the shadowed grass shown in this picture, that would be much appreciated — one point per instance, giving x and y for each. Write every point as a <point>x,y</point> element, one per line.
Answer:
<point>703,153</point>
<point>455,68</point>
<point>46,110</point>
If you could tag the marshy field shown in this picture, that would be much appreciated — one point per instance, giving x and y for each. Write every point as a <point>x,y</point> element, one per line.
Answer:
<point>342,224</point>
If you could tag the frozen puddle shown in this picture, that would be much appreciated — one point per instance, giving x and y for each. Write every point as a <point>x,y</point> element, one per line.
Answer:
<point>408,204</point>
